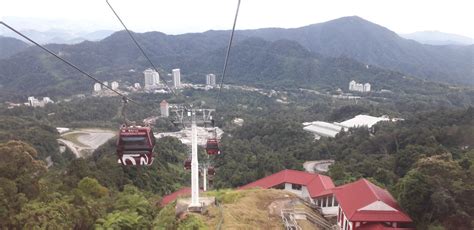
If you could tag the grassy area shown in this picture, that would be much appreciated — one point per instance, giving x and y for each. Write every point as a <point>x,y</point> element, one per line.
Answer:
<point>246,209</point>
<point>240,209</point>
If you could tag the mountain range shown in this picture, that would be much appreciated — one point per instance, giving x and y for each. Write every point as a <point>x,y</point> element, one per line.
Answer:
<point>59,36</point>
<point>438,38</point>
<point>326,54</point>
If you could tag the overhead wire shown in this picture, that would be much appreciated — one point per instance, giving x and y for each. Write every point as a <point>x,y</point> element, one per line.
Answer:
<point>227,54</point>
<point>138,46</point>
<point>124,97</point>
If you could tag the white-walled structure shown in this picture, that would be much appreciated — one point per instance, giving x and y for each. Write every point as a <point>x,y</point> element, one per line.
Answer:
<point>164,108</point>
<point>34,102</point>
<point>359,87</point>
<point>211,79</point>
<point>176,78</point>
<point>137,86</point>
<point>97,87</point>
<point>152,78</point>
<point>114,85</point>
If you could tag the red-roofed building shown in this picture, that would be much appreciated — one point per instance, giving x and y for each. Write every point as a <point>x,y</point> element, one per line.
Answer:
<point>303,184</point>
<point>358,205</point>
<point>363,205</point>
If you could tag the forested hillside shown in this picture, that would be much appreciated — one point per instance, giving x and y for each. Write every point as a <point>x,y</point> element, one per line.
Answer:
<point>320,54</point>
<point>369,43</point>
<point>10,46</point>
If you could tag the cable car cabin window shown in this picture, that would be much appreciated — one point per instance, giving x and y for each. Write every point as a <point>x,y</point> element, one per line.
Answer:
<point>212,145</point>
<point>134,142</point>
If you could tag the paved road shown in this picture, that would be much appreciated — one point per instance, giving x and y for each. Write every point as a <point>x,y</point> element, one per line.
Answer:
<point>317,166</point>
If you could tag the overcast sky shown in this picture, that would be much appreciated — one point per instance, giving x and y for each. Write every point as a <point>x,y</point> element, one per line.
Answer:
<point>181,16</point>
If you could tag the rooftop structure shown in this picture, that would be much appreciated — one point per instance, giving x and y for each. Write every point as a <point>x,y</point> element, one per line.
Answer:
<point>357,205</point>
<point>301,183</point>
<point>326,129</point>
<point>361,203</point>
<point>363,120</point>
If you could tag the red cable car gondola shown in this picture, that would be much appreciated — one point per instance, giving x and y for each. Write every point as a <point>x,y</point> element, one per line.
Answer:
<point>187,164</point>
<point>212,146</point>
<point>135,145</point>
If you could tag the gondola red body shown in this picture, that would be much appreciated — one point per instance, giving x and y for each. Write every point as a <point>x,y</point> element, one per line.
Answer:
<point>212,146</point>
<point>135,145</point>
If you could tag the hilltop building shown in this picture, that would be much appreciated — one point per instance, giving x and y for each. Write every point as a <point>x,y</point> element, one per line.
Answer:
<point>114,85</point>
<point>211,79</point>
<point>152,78</point>
<point>176,78</point>
<point>33,102</point>
<point>97,87</point>
<point>359,87</point>
<point>165,109</point>
<point>363,205</point>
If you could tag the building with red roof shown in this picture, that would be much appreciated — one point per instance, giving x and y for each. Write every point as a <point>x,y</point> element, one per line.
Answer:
<point>357,205</point>
<point>303,184</point>
<point>363,205</point>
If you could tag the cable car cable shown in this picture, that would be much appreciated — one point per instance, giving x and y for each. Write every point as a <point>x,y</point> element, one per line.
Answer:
<point>67,62</point>
<point>138,45</point>
<point>228,53</point>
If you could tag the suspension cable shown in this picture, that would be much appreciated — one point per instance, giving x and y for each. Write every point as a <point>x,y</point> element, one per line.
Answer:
<point>138,46</point>
<point>67,62</point>
<point>227,54</point>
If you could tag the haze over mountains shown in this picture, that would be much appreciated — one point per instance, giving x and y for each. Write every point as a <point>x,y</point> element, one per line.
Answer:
<point>326,54</point>
<point>438,38</point>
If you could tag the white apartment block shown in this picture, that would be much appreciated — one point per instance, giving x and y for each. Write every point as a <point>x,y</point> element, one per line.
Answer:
<point>176,78</point>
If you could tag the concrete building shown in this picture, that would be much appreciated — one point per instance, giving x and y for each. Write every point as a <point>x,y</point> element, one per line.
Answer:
<point>176,78</point>
<point>137,86</point>
<point>152,78</point>
<point>211,79</point>
<point>97,87</point>
<point>33,102</point>
<point>359,87</point>
<point>165,109</point>
<point>367,87</point>
<point>114,85</point>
